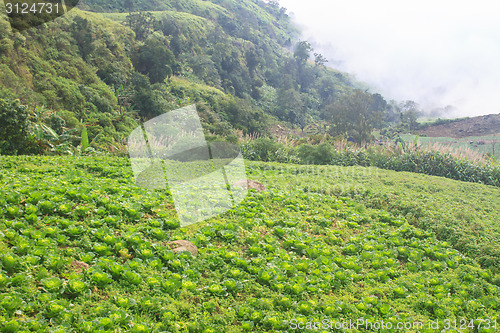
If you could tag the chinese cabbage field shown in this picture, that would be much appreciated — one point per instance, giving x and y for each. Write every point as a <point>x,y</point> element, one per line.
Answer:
<point>83,249</point>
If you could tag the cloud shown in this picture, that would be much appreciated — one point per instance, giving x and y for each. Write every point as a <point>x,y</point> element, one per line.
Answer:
<point>436,53</point>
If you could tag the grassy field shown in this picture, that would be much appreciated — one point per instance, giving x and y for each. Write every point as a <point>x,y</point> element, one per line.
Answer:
<point>463,143</point>
<point>322,245</point>
<point>441,205</point>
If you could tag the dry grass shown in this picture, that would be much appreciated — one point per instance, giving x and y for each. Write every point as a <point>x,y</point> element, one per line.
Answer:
<point>246,138</point>
<point>457,152</point>
<point>464,153</point>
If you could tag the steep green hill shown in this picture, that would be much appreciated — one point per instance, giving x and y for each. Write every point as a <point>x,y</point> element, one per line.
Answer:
<point>68,68</point>
<point>110,71</point>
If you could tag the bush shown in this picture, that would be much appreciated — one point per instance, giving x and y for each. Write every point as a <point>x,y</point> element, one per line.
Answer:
<point>320,154</point>
<point>14,132</point>
<point>267,150</point>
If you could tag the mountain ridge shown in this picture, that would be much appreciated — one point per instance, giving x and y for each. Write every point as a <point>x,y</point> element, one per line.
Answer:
<point>110,71</point>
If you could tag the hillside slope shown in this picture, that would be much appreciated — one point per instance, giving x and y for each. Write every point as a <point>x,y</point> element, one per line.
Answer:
<point>84,248</point>
<point>110,69</point>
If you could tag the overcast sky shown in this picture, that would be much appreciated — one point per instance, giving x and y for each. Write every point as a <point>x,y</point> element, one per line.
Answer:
<point>437,53</point>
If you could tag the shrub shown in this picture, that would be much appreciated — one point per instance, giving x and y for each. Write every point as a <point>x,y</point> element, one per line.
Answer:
<point>267,150</point>
<point>14,132</point>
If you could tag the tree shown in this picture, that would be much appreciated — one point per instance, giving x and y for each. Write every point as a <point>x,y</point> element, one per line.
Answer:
<point>82,32</point>
<point>241,114</point>
<point>150,103</point>
<point>155,59</point>
<point>393,112</point>
<point>142,23</point>
<point>252,59</point>
<point>351,116</point>
<point>169,26</point>
<point>319,60</point>
<point>302,51</point>
<point>305,75</point>
<point>289,105</point>
<point>14,133</point>
<point>288,75</point>
<point>204,68</point>
<point>124,95</point>
<point>129,5</point>
<point>378,107</point>
<point>310,105</point>
<point>306,78</point>
<point>326,89</point>
<point>410,111</point>
<point>149,100</point>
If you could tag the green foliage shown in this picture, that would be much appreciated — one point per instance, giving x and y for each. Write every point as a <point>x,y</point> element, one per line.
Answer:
<point>85,138</point>
<point>302,52</point>
<point>6,44</point>
<point>14,132</point>
<point>48,130</point>
<point>61,65</point>
<point>399,158</point>
<point>226,57</point>
<point>155,59</point>
<point>315,154</point>
<point>410,112</point>
<point>265,149</point>
<point>150,103</point>
<point>352,115</point>
<point>240,55</point>
<point>141,23</point>
<point>74,258</point>
<point>82,32</point>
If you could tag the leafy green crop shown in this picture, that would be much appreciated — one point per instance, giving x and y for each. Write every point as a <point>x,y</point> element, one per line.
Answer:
<point>284,254</point>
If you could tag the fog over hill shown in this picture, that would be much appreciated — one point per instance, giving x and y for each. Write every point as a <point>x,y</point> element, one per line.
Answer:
<point>436,53</point>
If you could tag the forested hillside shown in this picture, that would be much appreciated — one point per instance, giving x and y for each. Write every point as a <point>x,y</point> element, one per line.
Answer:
<point>325,237</point>
<point>105,71</point>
